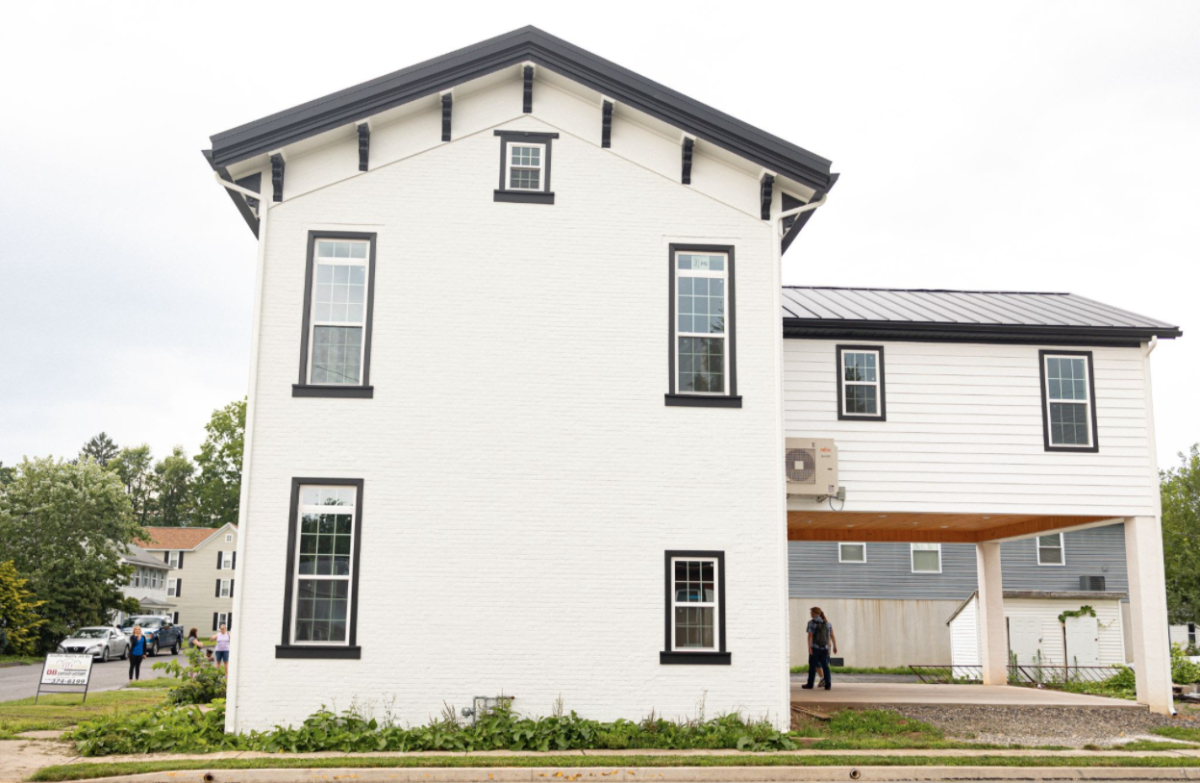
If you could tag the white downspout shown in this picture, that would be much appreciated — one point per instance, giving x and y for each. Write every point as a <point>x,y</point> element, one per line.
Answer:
<point>264,207</point>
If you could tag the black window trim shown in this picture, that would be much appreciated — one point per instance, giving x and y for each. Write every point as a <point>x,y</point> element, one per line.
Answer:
<point>673,397</point>
<point>545,195</point>
<point>722,657</point>
<point>363,390</point>
<point>841,391</point>
<point>1095,445</point>
<point>286,648</point>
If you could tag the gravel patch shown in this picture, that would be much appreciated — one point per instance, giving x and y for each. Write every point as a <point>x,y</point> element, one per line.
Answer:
<point>1070,726</point>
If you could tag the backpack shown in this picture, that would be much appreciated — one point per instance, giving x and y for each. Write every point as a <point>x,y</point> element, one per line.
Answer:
<point>820,633</point>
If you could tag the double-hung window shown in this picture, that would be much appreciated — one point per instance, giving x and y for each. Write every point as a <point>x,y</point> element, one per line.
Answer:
<point>852,552</point>
<point>926,558</point>
<point>335,343</point>
<point>320,603</point>
<point>1050,550</point>
<point>224,588</point>
<point>525,167</point>
<point>173,559</point>
<point>172,587</point>
<point>525,162</point>
<point>1068,404</point>
<point>702,356</point>
<point>226,559</point>
<point>860,382</point>
<point>695,623</point>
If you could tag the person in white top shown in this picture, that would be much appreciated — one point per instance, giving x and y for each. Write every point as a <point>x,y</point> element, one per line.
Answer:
<point>221,637</point>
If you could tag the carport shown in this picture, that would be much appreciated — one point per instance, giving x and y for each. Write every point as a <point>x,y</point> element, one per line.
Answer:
<point>1148,610</point>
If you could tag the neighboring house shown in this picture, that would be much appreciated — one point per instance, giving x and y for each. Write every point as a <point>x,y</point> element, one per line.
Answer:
<point>1046,628</point>
<point>148,584</point>
<point>892,609</point>
<point>475,468</point>
<point>202,580</point>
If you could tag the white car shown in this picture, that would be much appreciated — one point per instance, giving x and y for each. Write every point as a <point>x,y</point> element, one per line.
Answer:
<point>101,641</point>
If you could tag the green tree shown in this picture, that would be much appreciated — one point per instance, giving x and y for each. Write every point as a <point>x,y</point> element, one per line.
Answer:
<point>218,488</point>
<point>1180,488</point>
<point>134,466</point>
<point>65,526</point>
<point>172,487</point>
<point>19,620</point>
<point>100,448</point>
<point>7,473</point>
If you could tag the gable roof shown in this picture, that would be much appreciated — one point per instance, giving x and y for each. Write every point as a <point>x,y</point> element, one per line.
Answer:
<point>138,556</point>
<point>528,44</point>
<point>185,538</point>
<point>962,316</point>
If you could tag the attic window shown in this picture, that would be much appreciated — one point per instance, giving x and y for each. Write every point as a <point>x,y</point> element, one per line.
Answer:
<point>525,167</point>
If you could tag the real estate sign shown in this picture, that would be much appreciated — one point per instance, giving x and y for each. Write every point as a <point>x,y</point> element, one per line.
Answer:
<point>60,669</point>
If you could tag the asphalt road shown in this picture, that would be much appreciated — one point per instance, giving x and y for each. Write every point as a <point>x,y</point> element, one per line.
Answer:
<point>20,682</point>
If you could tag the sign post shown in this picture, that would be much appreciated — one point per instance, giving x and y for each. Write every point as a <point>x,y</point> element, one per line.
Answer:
<point>66,670</point>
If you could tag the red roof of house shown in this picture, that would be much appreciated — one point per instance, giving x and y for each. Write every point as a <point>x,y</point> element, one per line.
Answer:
<point>175,537</point>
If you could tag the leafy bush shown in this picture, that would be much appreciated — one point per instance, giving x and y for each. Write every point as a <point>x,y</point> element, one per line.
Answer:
<point>1183,671</point>
<point>200,682</point>
<point>351,732</point>
<point>190,730</point>
<point>1121,685</point>
<point>164,730</point>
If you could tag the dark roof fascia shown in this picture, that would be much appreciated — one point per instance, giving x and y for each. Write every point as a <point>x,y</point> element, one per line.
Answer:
<point>532,45</point>
<point>238,200</point>
<point>1113,336</point>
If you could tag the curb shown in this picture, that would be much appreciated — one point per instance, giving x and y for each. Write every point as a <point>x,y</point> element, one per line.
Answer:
<point>657,774</point>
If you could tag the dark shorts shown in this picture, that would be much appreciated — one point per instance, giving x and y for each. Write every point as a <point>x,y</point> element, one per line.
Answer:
<point>221,656</point>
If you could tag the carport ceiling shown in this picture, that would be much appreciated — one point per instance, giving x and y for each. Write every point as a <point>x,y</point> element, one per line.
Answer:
<point>924,528</point>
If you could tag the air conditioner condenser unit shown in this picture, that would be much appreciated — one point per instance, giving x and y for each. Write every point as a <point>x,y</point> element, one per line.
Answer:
<point>811,467</point>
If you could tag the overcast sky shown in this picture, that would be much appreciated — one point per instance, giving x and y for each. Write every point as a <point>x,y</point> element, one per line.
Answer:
<point>1049,146</point>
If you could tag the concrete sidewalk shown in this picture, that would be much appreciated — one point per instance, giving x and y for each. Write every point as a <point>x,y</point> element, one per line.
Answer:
<point>887,693</point>
<point>19,759</point>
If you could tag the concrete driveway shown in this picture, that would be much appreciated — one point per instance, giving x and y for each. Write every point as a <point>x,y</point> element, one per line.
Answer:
<point>21,682</point>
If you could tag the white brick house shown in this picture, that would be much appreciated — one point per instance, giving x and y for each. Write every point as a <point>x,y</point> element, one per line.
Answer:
<point>518,461</point>
<point>473,463</point>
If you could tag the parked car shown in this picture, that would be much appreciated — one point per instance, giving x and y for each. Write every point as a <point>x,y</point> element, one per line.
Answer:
<point>160,633</point>
<point>101,641</point>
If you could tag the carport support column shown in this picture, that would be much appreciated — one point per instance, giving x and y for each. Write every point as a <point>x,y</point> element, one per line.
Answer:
<point>1148,613</point>
<point>993,638</point>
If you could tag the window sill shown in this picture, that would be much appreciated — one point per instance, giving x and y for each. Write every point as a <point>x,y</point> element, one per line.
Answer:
<point>524,197</point>
<point>703,401</point>
<point>315,651</point>
<point>696,658</point>
<point>1074,449</point>
<point>345,392</point>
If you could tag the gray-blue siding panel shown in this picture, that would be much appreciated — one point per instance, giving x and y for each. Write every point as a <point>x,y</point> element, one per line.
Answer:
<point>814,570</point>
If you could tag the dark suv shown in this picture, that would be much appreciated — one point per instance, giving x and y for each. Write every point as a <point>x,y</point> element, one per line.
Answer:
<point>160,633</point>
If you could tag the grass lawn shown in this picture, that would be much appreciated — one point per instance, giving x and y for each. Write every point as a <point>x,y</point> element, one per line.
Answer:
<point>874,730</point>
<point>858,670</point>
<point>84,771</point>
<point>157,682</point>
<point>60,710</point>
<point>19,660</point>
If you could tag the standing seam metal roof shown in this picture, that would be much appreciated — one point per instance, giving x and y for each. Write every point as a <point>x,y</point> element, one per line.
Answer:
<point>809,308</point>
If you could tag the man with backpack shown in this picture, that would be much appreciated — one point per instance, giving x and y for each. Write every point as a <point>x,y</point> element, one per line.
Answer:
<point>820,637</point>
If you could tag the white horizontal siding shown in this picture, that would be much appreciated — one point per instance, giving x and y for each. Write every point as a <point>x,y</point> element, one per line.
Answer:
<point>1047,610</point>
<point>964,432</point>
<point>964,637</point>
<point>964,629</point>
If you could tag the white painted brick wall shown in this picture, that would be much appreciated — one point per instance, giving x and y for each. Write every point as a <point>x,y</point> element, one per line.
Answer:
<point>522,474</point>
